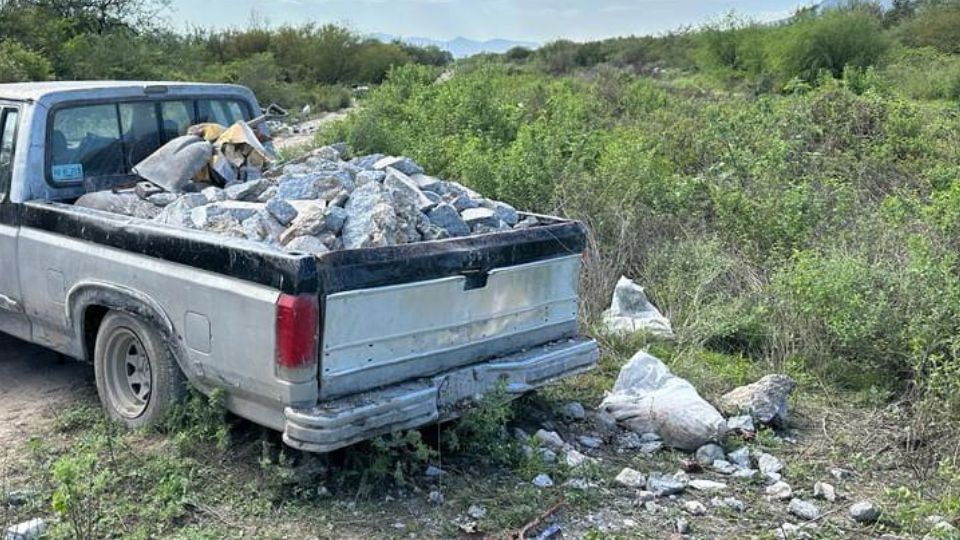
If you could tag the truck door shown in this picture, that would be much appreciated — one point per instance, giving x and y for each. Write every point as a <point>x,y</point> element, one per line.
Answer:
<point>12,318</point>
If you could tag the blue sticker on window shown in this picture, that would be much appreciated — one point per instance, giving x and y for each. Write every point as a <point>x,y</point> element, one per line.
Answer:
<point>73,171</point>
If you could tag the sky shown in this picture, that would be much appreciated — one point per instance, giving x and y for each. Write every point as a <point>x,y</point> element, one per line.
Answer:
<point>521,20</point>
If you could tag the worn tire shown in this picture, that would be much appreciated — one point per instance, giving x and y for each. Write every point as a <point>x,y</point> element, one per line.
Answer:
<point>138,378</point>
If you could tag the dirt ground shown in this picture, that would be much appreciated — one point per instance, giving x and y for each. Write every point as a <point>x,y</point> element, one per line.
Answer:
<point>306,131</point>
<point>34,383</point>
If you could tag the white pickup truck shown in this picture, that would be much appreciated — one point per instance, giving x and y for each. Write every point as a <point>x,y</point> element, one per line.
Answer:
<point>330,349</point>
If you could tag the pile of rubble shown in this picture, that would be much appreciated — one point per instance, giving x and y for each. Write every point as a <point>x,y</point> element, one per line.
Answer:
<point>321,203</point>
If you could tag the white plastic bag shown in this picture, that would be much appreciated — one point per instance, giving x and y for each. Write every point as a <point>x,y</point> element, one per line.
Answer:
<point>631,311</point>
<point>647,398</point>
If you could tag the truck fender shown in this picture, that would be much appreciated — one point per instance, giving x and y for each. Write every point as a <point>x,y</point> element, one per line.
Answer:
<point>88,294</point>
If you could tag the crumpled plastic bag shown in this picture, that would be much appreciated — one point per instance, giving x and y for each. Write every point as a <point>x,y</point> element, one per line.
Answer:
<point>648,398</point>
<point>631,312</point>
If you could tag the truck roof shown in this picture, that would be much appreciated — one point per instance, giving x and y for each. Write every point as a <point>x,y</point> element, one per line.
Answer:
<point>35,91</point>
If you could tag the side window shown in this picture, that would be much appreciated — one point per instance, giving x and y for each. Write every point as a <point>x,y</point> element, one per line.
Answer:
<point>85,142</point>
<point>177,118</point>
<point>8,140</point>
<point>140,130</point>
<point>221,111</point>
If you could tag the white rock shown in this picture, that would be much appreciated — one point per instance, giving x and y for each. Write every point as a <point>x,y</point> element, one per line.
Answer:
<point>740,457</point>
<point>768,463</point>
<point>590,442</point>
<point>543,481</point>
<point>436,497</point>
<point>741,423</point>
<point>477,512</point>
<point>781,491</point>
<point>574,459</point>
<point>630,478</point>
<point>28,530</point>
<point>840,474</point>
<point>707,485</point>
<point>728,502</point>
<point>631,311</point>
<point>682,526</point>
<point>723,466</point>
<point>694,508</point>
<point>790,531</point>
<point>825,491</point>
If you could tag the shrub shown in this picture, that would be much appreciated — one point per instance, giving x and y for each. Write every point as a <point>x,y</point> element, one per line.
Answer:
<point>17,64</point>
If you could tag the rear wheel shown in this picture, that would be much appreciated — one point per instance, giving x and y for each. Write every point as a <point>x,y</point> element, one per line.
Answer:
<point>138,379</point>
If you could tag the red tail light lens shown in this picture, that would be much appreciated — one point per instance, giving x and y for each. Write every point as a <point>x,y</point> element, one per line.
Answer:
<point>298,328</point>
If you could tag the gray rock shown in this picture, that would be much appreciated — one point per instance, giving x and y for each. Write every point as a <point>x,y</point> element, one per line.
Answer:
<point>650,447</point>
<point>694,508</point>
<point>548,456</point>
<point>403,164</point>
<point>371,219</point>
<point>434,472</point>
<point>665,485</point>
<point>651,506</point>
<point>768,463</point>
<point>630,478</point>
<point>254,228</point>
<point>682,526</point>
<point>308,244</point>
<point>327,152</point>
<point>700,484</point>
<point>865,512</point>
<point>426,182</point>
<point>840,474</point>
<point>804,509</point>
<point>28,530</point>
<point>543,481</point>
<point>590,442</point>
<point>205,217</point>
<point>282,211</point>
<point>527,223</point>
<point>723,466</point>
<point>765,400</point>
<point>605,421</point>
<point>790,531</point>
<point>506,213</point>
<point>574,459</point>
<point>574,410</point>
<point>628,441</point>
<point>366,162</point>
<point>743,424</point>
<point>579,484</point>
<point>707,453</point>
<point>740,457</point>
<point>825,491</point>
<point>178,213</point>
<point>18,497</point>
<point>650,437</point>
<point>644,496</point>
<point>366,177</point>
<point>268,194</point>
<point>405,191</point>
<point>162,199</point>
<point>247,191</point>
<point>447,218</point>
<point>550,439</point>
<point>728,502</point>
<point>463,203</point>
<point>476,511</point>
<point>746,474</point>
<point>436,498</point>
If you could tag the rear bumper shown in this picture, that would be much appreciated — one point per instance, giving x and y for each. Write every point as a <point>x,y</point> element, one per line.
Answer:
<point>336,424</point>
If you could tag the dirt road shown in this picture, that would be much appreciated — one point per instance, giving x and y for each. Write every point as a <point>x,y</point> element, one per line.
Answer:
<point>34,384</point>
<point>303,133</point>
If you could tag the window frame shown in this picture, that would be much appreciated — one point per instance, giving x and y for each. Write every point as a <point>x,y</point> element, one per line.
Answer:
<point>51,115</point>
<point>6,185</point>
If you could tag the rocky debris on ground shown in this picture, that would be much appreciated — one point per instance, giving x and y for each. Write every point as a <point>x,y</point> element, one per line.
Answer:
<point>709,453</point>
<point>840,474</point>
<point>550,439</point>
<point>18,497</point>
<point>791,531</point>
<point>701,484</point>
<point>780,490</point>
<point>804,509</point>
<point>476,511</point>
<point>436,497</point>
<point>28,530</point>
<point>322,203</point>
<point>574,411</point>
<point>664,485</point>
<point>694,508</point>
<point>864,512</point>
<point>768,464</point>
<point>433,471</point>
<point>740,457</point>
<point>543,481</point>
<point>741,424</point>
<point>825,491</point>
<point>574,459</point>
<point>765,400</point>
<point>631,311</point>
<point>731,503</point>
<point>648,398</point>
<point>589,441</point>
<point>579,484</point>
<point>630,478</point>
<point>682,526</point>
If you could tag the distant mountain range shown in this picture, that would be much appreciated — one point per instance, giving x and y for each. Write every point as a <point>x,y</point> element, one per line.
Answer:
<point>460,47</point>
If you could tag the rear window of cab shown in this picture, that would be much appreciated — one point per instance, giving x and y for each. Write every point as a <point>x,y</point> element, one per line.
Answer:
<point>93,140</point>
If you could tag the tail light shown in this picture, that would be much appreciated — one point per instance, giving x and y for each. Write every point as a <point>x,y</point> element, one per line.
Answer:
<point>298,327</point>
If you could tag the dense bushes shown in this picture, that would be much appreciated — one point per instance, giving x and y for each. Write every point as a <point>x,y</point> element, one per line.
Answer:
<point>17,64</point>
<point>814,229</point>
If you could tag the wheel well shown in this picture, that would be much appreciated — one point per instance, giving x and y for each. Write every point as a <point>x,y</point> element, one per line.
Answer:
<point>92,317</point>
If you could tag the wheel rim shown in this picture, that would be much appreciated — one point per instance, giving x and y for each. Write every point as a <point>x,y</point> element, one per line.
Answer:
<point>129,375</point>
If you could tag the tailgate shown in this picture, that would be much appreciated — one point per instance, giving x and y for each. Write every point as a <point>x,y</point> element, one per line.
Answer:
<point>376,336</point>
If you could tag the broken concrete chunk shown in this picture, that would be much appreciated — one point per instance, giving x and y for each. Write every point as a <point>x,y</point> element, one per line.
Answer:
<point>765,400</point>
<point>403,164</point>
<point>475,217</point>
<point>282,211</point>
<point>308,244</point>
<point>631,311</point>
